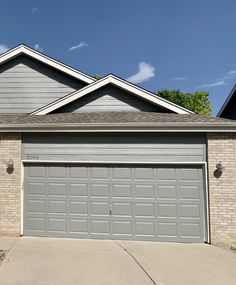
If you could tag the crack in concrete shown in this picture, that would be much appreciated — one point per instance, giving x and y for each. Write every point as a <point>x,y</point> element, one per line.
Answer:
<point>136,261</point>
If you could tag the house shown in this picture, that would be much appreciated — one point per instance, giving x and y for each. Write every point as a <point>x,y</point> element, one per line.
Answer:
<point>107,159</point>
<point>228,110</point>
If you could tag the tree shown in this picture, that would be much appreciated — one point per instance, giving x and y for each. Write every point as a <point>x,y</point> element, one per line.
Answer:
<point>98,76</point>
<point>197,102</point>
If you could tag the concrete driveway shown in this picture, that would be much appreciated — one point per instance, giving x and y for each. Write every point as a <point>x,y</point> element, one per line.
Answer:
<point>47,261</point>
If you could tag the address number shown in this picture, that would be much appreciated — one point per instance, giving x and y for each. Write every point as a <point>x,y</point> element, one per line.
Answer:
<point>32,157</point>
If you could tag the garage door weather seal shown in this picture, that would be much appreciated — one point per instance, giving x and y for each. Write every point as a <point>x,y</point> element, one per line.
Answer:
<point>136,261</point>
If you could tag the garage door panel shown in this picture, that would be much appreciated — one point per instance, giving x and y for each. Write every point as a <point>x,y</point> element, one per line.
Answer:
<point>144,209</point>
<point>189,211</point>
<point>99,173</point>
<point>99,190</point>
<point>78,172</point>
<point>121,191</point>
<point>121,173</point>
<point>139,203</point>
<point>36,206</point>
<point>56,206</point>
<point>78,189</point>
<point>36,188</point>
<point>57,188</point>
<point>78,226</point>
<point>100,208</point>
<point>145,228</point>
<point>57,172</point>
<point>167,210</point>
<point>36,224</point>
<point>78,207</point>
<point>144,191</point>
<point>121,209</point>
<point>100,227</point>
<point>144,173</point>
<point>57,224</point>
<point>189,192</point>
<point>121,228</point>
<point>166,174</point>
<point>190,230</point>
<point>166,192</point>
<point>167,229</point>
<point>37,171</point>
<point>188,174</point>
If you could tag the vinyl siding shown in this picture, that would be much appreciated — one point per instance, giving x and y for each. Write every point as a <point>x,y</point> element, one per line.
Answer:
<point>114,147</point>
<point>26,85</point>
<point>110,98</point>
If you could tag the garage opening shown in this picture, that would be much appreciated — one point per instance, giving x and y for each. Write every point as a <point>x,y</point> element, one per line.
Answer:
<point>132,202</point>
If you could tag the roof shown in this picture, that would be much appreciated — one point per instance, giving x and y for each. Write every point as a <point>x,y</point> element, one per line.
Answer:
<point>227,101</point>
<point>121,83</point>
<point>23,49</point>
<point>115,121</point>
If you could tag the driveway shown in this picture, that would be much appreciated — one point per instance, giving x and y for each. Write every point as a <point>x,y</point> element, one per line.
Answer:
<point>48,261</point>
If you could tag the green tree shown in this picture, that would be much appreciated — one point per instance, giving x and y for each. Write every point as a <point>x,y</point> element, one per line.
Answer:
<point>197,102</point>
<point>98,76</point>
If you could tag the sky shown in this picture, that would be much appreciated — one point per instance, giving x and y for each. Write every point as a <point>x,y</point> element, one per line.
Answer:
<point>177,44</point>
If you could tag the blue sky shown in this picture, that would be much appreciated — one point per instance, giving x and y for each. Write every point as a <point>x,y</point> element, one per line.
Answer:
<point>185,44</point>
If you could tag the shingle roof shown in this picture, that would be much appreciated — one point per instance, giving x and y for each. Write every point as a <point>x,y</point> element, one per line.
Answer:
<point>112,119</point>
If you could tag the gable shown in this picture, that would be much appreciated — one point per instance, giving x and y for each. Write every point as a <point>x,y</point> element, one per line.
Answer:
<point>228,110</point>
<point>51,62</point>
<point>27,84</point>
<point>108,99</point>
<point>121,84</point>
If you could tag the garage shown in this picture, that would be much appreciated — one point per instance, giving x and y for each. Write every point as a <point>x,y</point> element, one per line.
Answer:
<point>122,201</point>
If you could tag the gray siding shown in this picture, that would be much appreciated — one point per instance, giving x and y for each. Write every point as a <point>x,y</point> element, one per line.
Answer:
<point>114,147</point>
<point>26,85</point>
<point>110,98</point>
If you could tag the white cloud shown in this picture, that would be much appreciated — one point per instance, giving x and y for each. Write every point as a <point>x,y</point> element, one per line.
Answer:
<point>145,72</point>
<point>38,48</point>
<point>224,80</point>
<point>3,48</point>
<point>217,83</point>
<point>180,78</point>
<point>79,45</point>
<point>34,10</point>
<point>231,72</point>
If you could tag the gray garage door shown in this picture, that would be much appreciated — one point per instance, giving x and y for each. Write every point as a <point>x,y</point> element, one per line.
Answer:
<point>114,202</point>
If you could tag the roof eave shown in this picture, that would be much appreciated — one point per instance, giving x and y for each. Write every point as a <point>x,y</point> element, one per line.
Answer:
<point>129,127</point>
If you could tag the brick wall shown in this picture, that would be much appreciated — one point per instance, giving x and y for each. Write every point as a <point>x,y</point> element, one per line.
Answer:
<point>10,184</point>
<point>222,190</point>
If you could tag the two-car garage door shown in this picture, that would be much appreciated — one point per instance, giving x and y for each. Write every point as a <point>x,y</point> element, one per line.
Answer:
<point>164,203</point>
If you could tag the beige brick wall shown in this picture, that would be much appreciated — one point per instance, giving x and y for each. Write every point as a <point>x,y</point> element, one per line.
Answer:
<point>222,190</point>
<point>10,184</point>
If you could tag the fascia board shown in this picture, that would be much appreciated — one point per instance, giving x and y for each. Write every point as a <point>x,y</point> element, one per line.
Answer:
<point>141,127</point>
